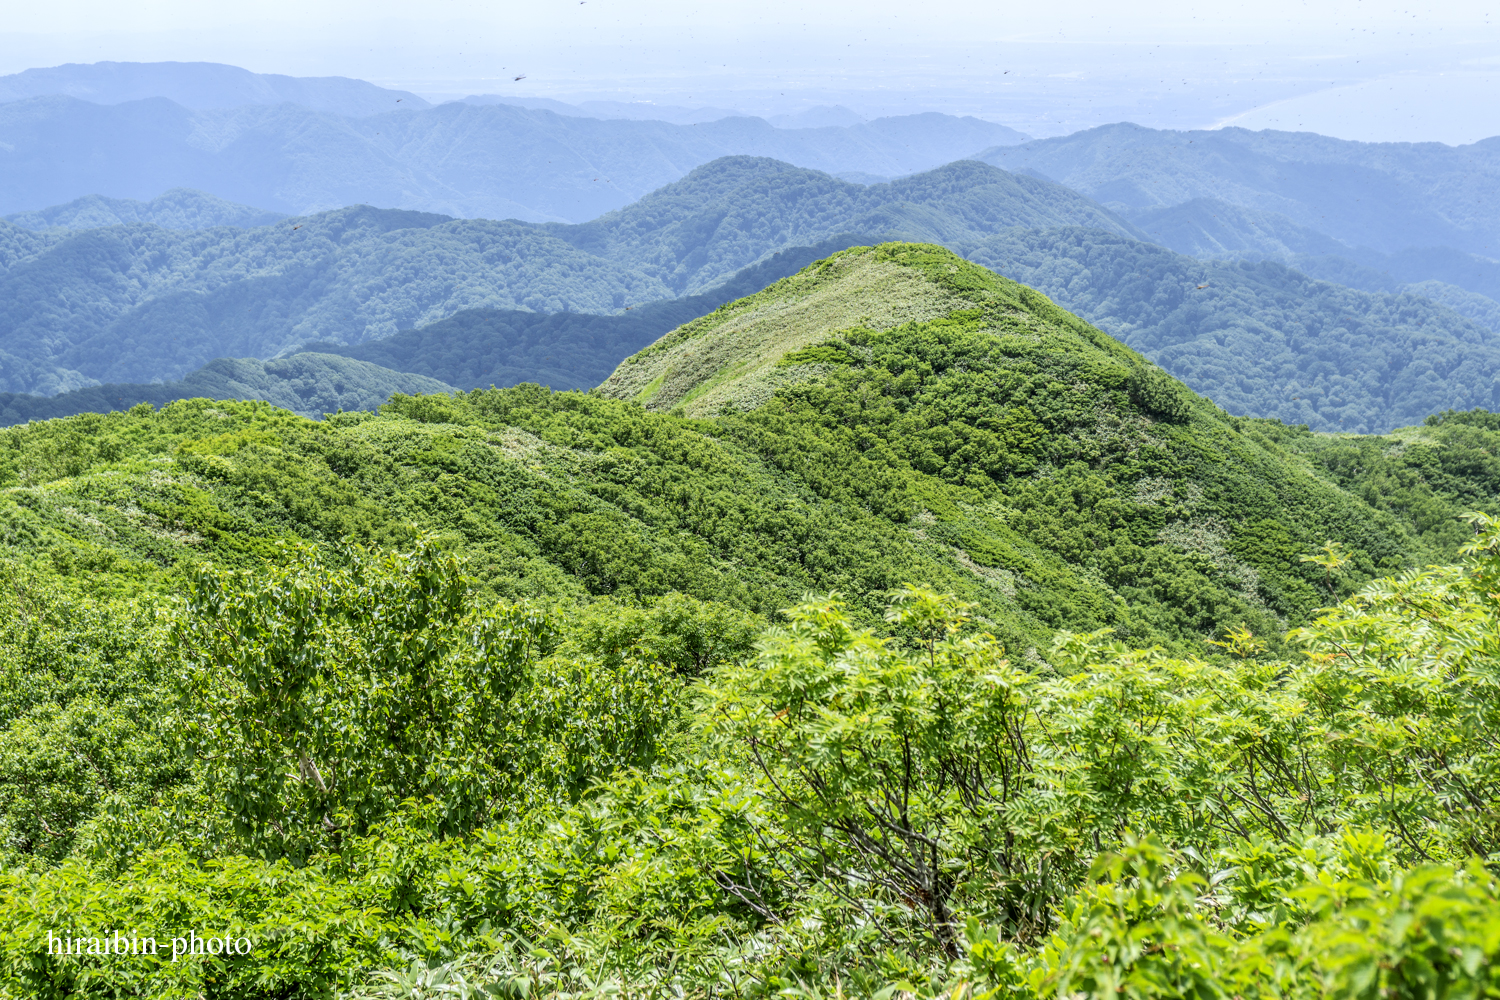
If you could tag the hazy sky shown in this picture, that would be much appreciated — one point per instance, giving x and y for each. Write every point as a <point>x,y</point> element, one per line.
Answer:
<point>1352,68</point>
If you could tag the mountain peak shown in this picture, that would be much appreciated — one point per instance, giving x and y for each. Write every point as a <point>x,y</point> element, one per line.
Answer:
<point>823,316</point>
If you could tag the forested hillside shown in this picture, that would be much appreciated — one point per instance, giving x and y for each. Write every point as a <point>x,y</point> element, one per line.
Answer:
<point>730,212</point>
<point>481,348</point>
<point>461,301</point>
<point>138,303</point>
<point>583,715</point>
<point>1261,339</point>
<point>1467,283</point>
<point>180,208</point>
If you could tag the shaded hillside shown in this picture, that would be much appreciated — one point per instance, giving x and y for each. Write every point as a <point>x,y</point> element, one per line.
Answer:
<point>1208,227</point>
<point>962,431</point>
<point>1261,339</point>
<point>479,348</point>
<point>1467,283</point>
<point>139,303</point>
<point>1386,196</point>
<point>732,211</point>
<point>308,384</point>
<point>179,208</point>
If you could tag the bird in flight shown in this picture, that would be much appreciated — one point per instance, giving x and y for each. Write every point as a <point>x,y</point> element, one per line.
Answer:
<point>1204,285</point>
<point>521,77</point>
<point>398,100</point>
<point>296,227</point>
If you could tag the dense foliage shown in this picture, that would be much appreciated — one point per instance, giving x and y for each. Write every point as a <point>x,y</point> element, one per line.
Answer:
<point>960,663</point>
<point>480,348</point>
<point>1261,339</point>
<point>138,303</point>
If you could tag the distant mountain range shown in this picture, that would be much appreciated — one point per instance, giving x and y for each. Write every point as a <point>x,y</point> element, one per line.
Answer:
<point>296,146</point>
<point>311,384</point>
<point>139,303</point>
<point>472,303</point>
<point>627,221</point>
<point>1386,196</point>
<point>203,85</point>
<point>179,208</point>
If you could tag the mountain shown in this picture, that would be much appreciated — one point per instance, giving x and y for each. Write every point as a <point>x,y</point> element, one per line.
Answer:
<point>734,210</point>
<point>1203,227</point>
<point>630,110</point>
<point>180,208</point>
<point>1384,196</point>
<point>919,416</point>
<point>1261,339</point>
<point>309,384</point>
<point>203,85</point>
<point>466,160</point>
<point>388,692</point>
<point>138,303</point>
<point>1208,227</point>
<point>823,115</point>
<point>480,348</point>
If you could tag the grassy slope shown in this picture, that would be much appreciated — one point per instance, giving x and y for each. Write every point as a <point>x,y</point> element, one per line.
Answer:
<point>989,444</point>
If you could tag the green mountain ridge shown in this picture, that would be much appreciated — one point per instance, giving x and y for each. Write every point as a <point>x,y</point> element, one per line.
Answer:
<point>136,304</point>
<point>451,295</point>
<point>388,767</point>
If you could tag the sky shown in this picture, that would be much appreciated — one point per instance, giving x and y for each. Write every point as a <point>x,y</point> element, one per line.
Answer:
<point>1375,71</point>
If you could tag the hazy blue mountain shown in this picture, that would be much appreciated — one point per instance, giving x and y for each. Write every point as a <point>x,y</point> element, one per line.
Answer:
<point>478,348</point>
<point>1207,227</point>
<point>1480,308</point>
<point>629,110</point>
<point>1377,272</point>
<point>203,85</point>
<point>464,299</point>
<point>464,160</point>
<point>1261,339</point>
<point>138,303</point>
<point>310,384</point>
<point>179,208</point>
<point>860,177</point>
<point>730,212</point>
<point>823,115</point>
<point>1386,196</point>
